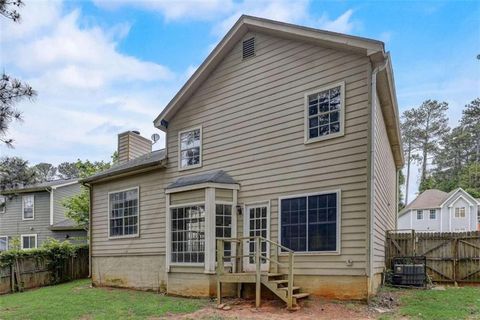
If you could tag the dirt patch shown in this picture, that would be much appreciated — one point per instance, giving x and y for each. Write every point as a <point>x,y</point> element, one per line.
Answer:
<point>273,309</point>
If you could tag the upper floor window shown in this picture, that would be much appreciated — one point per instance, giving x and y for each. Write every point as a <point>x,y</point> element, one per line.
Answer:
<point>190,148</point>
<point>3,204</point>
<point>28,207</point>
<point>460,212</point>
<point>325,113</point>
<point>123,216</point>
<point>419,214</point>
<point>433,214</point>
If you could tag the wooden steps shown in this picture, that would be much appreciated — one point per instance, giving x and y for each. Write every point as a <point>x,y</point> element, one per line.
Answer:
<point>280,288</point>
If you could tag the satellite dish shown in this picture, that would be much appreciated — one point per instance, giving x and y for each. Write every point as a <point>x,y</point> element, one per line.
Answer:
<point>155,137</point>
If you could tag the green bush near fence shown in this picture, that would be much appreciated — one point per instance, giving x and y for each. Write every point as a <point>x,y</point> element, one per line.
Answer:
<point>54,252</point>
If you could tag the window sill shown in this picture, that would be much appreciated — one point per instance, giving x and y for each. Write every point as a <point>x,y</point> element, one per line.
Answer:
<point>124,237</point>
<point>28,219</point>
<point>327,137</point>
<point>190,167</point>
<point>312,253</point>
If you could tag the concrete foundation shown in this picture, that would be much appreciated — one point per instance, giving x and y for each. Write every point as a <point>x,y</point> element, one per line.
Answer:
<point>334,287</point>
<point>136,272</point>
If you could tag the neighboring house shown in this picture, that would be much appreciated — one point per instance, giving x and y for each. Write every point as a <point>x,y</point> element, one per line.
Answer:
<point>35,212</point>
<point>438,211</point>
<point>284,131</point>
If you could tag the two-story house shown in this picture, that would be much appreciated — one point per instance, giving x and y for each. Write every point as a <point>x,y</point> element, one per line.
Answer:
<point>437,211</point>
<point>34,213</point>
<point>284,132</point>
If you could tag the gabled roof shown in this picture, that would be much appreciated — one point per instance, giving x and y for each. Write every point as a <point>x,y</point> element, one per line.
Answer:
<point>42,186</point>
<point>218,176</point>
<point>374,49</point>
<point>149,160</point>
<point>431,198</point>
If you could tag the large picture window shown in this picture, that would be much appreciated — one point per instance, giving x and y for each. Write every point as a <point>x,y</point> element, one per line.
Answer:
<point>188,234</point>
<point>123,216</point>
<point>324,113</point>
<point>223,225</point>
<point>28,207</point>
<point>190,151</point>
<point>310,223</point>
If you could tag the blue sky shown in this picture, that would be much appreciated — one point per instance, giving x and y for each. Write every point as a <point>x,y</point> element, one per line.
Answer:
<point>102,67</point>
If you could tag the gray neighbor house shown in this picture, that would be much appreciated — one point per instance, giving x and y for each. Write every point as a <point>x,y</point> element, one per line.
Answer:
<point>284,132</point>
<point>34,213</point>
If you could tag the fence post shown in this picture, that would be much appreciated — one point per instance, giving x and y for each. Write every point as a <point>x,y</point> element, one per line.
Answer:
<point>414,244</point>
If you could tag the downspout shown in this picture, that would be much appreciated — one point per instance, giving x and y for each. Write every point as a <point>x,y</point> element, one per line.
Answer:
<point>89,231</point>
<point>50,190</point>
<point>373,97</point>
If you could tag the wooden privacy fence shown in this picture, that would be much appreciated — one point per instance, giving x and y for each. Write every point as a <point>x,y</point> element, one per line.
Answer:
<point>451,256</point>
<point>32,272</point>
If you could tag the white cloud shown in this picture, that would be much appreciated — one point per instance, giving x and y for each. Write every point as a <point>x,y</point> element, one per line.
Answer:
<point>87,90</point>
<point>174,10</point>
<point>342,24</point>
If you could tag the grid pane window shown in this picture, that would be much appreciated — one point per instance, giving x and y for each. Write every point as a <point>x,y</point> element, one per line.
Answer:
<point>310,223</point>
<point>28,203</point>
<point>433,214</point>
<point>124,213</point>
<point>460,212</point>
<point>190,148</point>
<point>258,227</point>
<point>29,242</point>
<point>324,113</point>
<point>223,226</point>
<point>3,243</point>
<point>419,214</point>
<point>188,234</point>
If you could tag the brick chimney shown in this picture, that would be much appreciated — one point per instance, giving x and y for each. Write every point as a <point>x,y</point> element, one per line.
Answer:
<point>132,145</point>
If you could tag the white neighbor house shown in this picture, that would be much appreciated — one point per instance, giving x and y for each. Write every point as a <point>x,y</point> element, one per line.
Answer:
<point>438,211</point>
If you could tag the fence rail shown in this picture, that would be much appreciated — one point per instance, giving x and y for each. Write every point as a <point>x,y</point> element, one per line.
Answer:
<point>451,256</point>
<point>32,272</point>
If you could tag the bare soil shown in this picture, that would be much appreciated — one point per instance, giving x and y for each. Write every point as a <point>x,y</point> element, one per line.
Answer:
<point>313,308</point>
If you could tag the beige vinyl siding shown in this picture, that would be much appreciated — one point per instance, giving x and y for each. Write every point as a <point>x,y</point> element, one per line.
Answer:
<point>123,151</point>
<point>384,185</point>
<point>252,118</point>
<point>224,195</point>
<point>185,197</point>
<point>151,239</point>
<point>59,195</point>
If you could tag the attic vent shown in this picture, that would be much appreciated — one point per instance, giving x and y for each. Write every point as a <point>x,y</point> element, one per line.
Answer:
<point>248,48</point>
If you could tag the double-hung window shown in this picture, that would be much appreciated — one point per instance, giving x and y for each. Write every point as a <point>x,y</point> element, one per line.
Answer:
<point>190,148</point>
<point>433,214</point>
<point>325,113</point>
<point>311,223</point>
<point>419,214</point>
<point>223,226</point>
<point>3,243</point>
<point>460,212</point>
<point>29,241</point>
<point>123,213</point>
<point>28,207</point>
<point>188,234</point>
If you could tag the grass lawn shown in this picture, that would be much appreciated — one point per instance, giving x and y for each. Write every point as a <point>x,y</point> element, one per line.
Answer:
<point>451,303</point>
<point>77,300</point>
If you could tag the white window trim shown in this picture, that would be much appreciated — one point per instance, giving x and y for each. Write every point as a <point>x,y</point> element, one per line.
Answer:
<point>416,214</point>
<point>430,213</point>
<point>33,209</point>
<point>6,243</point>
<point>199,165</point>
<point>464,213</point>
<point>339,223</point>
<point>342,113</point>
<point>4,209</point>
<point>28,235</point>
<point>169,237</point>
<point>137,235</point>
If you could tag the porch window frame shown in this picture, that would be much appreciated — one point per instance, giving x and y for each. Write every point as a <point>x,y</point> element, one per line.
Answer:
<point>232,229</point>
<point>341,115</point>
<point>338,250</point>
<point>137,235</point>
<point>29,235</point>
<point>200,152</point>
<point>33,207</point>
